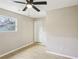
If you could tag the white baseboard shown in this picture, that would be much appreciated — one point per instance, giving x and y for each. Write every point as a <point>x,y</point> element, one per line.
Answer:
<point>16,49</point>
<point>62,55</point>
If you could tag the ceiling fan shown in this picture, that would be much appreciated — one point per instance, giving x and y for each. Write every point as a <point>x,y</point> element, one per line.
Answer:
<point>31,4</point>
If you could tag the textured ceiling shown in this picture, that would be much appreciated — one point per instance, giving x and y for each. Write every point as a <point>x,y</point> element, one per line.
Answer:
<point>51,4</point>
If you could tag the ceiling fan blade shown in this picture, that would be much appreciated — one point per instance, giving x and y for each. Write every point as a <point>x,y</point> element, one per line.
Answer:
<point>31,1</point>
<point>27,1</point>
<point>40,3</point>
<point>19,2</point>
<point>24,8</point>
<point>35,8</point>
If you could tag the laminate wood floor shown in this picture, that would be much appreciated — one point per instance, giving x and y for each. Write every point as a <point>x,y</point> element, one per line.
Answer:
<point>33,52</point>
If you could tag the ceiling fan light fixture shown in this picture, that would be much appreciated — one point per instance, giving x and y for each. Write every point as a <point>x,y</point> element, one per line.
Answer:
<point>29,6</point>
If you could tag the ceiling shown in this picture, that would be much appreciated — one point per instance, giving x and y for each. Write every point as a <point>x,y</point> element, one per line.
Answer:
<point>51,4</point>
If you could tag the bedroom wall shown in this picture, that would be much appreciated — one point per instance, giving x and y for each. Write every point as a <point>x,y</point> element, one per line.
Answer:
<point>12,40</point>
<point>61,29</point>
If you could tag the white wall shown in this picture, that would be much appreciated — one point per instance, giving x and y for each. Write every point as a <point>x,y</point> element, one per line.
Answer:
<point>61,29</point>
<point>12,40</point>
